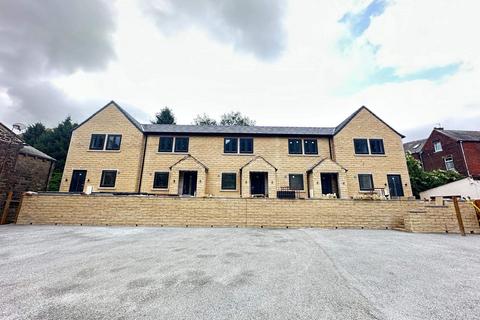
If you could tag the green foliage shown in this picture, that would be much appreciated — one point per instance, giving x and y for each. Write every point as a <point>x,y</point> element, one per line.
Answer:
<point>235,118</point>
<point>204,120</point>
<point>165,116</point>
<point>53,142</point>
<point>422,180</point>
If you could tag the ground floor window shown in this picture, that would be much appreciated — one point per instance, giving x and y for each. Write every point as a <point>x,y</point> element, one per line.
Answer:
<point>366,182</point>
<point>108,178</point>
<point>229,181</point>
<point>295,181</point>
<point>160,180</point>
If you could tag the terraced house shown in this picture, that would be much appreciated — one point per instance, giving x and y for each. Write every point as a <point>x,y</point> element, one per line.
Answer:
<point>112,152</point>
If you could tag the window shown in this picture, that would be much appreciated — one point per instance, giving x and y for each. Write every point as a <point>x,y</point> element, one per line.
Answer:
<point>449,165</point>
<point>160,180</point>
<point>97,142</point>
<point>376,146</point>
<point>166,144</point>
<point>113,142</point>
<point>295,146</point>
<point>366,182</point>
<point>246,145</point>
<point>361,146</point>
<point>108,178</point>
<point>229,181</point>
<point>437,146</point>
<point>295,181</point>
<point>181,144</point>
<point>310,146</point>
<point>230,145</point>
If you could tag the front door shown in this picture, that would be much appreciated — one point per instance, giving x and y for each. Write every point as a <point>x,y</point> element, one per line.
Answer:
<point>189,183</point>
<point>78,180</point>
<point>257,183</point>
<point>329,183</point>
<point>395,185</point>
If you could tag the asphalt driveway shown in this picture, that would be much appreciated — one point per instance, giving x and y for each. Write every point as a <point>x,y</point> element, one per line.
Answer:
<point>64,272</point>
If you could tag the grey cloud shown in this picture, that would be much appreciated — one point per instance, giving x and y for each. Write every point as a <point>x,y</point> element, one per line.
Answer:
<point>254,26</point>
<point>40,39</point>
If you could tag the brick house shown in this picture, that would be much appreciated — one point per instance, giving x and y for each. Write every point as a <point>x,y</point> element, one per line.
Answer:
<point>112,152</point>
<point>22,167</point>
<point>453,150</point>
<point>415,148</point>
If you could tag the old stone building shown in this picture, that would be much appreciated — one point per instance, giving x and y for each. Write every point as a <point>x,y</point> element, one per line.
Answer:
<point>112,152</point>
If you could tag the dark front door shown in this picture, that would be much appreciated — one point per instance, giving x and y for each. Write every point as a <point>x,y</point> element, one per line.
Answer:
<point>395,185</point>
<point>189,183</point>
<point>78,180</point>
<point>329,183</point>
<point>257,183</point>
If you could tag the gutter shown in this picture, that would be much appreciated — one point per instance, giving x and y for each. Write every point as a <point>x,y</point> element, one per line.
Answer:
<point>464,158</point>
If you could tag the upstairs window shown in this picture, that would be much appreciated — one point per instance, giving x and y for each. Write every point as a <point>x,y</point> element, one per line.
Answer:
<point>295,146</point>
<point>246,145</point>
<point>230,145</point>
<point>449,165</point>
<point>310,146</point>
<point>365,182</point>
<point>160,180</point>
<point>376,146</point>
<point>113,142</point>
<point>229,181</point>
<point>361,146</point>
<point>437,146</point>
<point>97,141</point>
<point>295,181</point>
<point>181,144</point>
<point>165,144</point>
<point>108,178</point>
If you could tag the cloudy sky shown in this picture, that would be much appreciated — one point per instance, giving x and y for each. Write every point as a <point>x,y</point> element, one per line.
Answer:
<point>281,62</point>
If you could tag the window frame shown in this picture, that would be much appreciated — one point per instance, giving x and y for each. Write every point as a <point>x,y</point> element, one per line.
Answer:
<point>232,139</point>
<point>160,144</point>
<point>155,179</point>
<point>355,146</point>
<point>435,143</point>
<point>240,145</point>
<point>222,186</point>
<point>175,145</point>
<point>371,180</point>
<point>301,146</point>
<point>450,160</point>
<point>382,146</point>
<point>102,177</point>
<point>316,146</point>
<point>107,140</point>
<point>292,175</point>
<point>97,135</point>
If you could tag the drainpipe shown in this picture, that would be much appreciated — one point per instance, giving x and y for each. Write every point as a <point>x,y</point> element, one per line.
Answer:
<point>464,159</point>
<point>143,164</point>
<point>49,177</point>
<point>241,182</point>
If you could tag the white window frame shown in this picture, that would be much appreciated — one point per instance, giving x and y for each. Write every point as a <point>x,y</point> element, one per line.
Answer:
<point>448,160</point>
<point>435,144</point>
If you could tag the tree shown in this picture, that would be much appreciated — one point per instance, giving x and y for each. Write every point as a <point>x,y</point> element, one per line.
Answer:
<point>204,120</point>
<point>235,118</point>
<point>165,116</point>
<point>422,180</point>
<point>33,133</point>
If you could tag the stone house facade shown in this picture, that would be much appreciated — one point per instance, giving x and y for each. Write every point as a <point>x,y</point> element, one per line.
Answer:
<point>112,152</point>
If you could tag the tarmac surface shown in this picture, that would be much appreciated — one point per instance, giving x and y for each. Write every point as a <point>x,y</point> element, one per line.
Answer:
<point>70,272</point>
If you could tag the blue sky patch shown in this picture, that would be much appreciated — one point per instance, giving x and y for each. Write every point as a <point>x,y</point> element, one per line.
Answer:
<point>359,22</point>
<point>388,74</point>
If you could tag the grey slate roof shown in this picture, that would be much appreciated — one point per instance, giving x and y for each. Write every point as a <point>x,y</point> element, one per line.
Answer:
<point>414,146</point>
<point>31,151</point>
<point>241,130</point>
<point>462,135</point>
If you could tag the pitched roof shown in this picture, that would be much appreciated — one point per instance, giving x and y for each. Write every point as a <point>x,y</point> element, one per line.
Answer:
<point>414,146</point>
<point>125,113</point>
<point>321,161</point>
<point>462,135</point>
<point>187,157</point>
<point>31,151</point>
<point>350,118</point>
<point>255,158</point>
<point>237,130</point>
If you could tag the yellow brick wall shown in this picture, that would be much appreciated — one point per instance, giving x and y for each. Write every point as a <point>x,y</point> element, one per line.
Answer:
<point>127,160</point>
<point>365,125</point>
<point>247,212</point>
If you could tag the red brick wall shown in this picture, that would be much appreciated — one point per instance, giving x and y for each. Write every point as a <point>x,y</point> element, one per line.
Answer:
<point>472,153</point>
<point>435,160</point>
